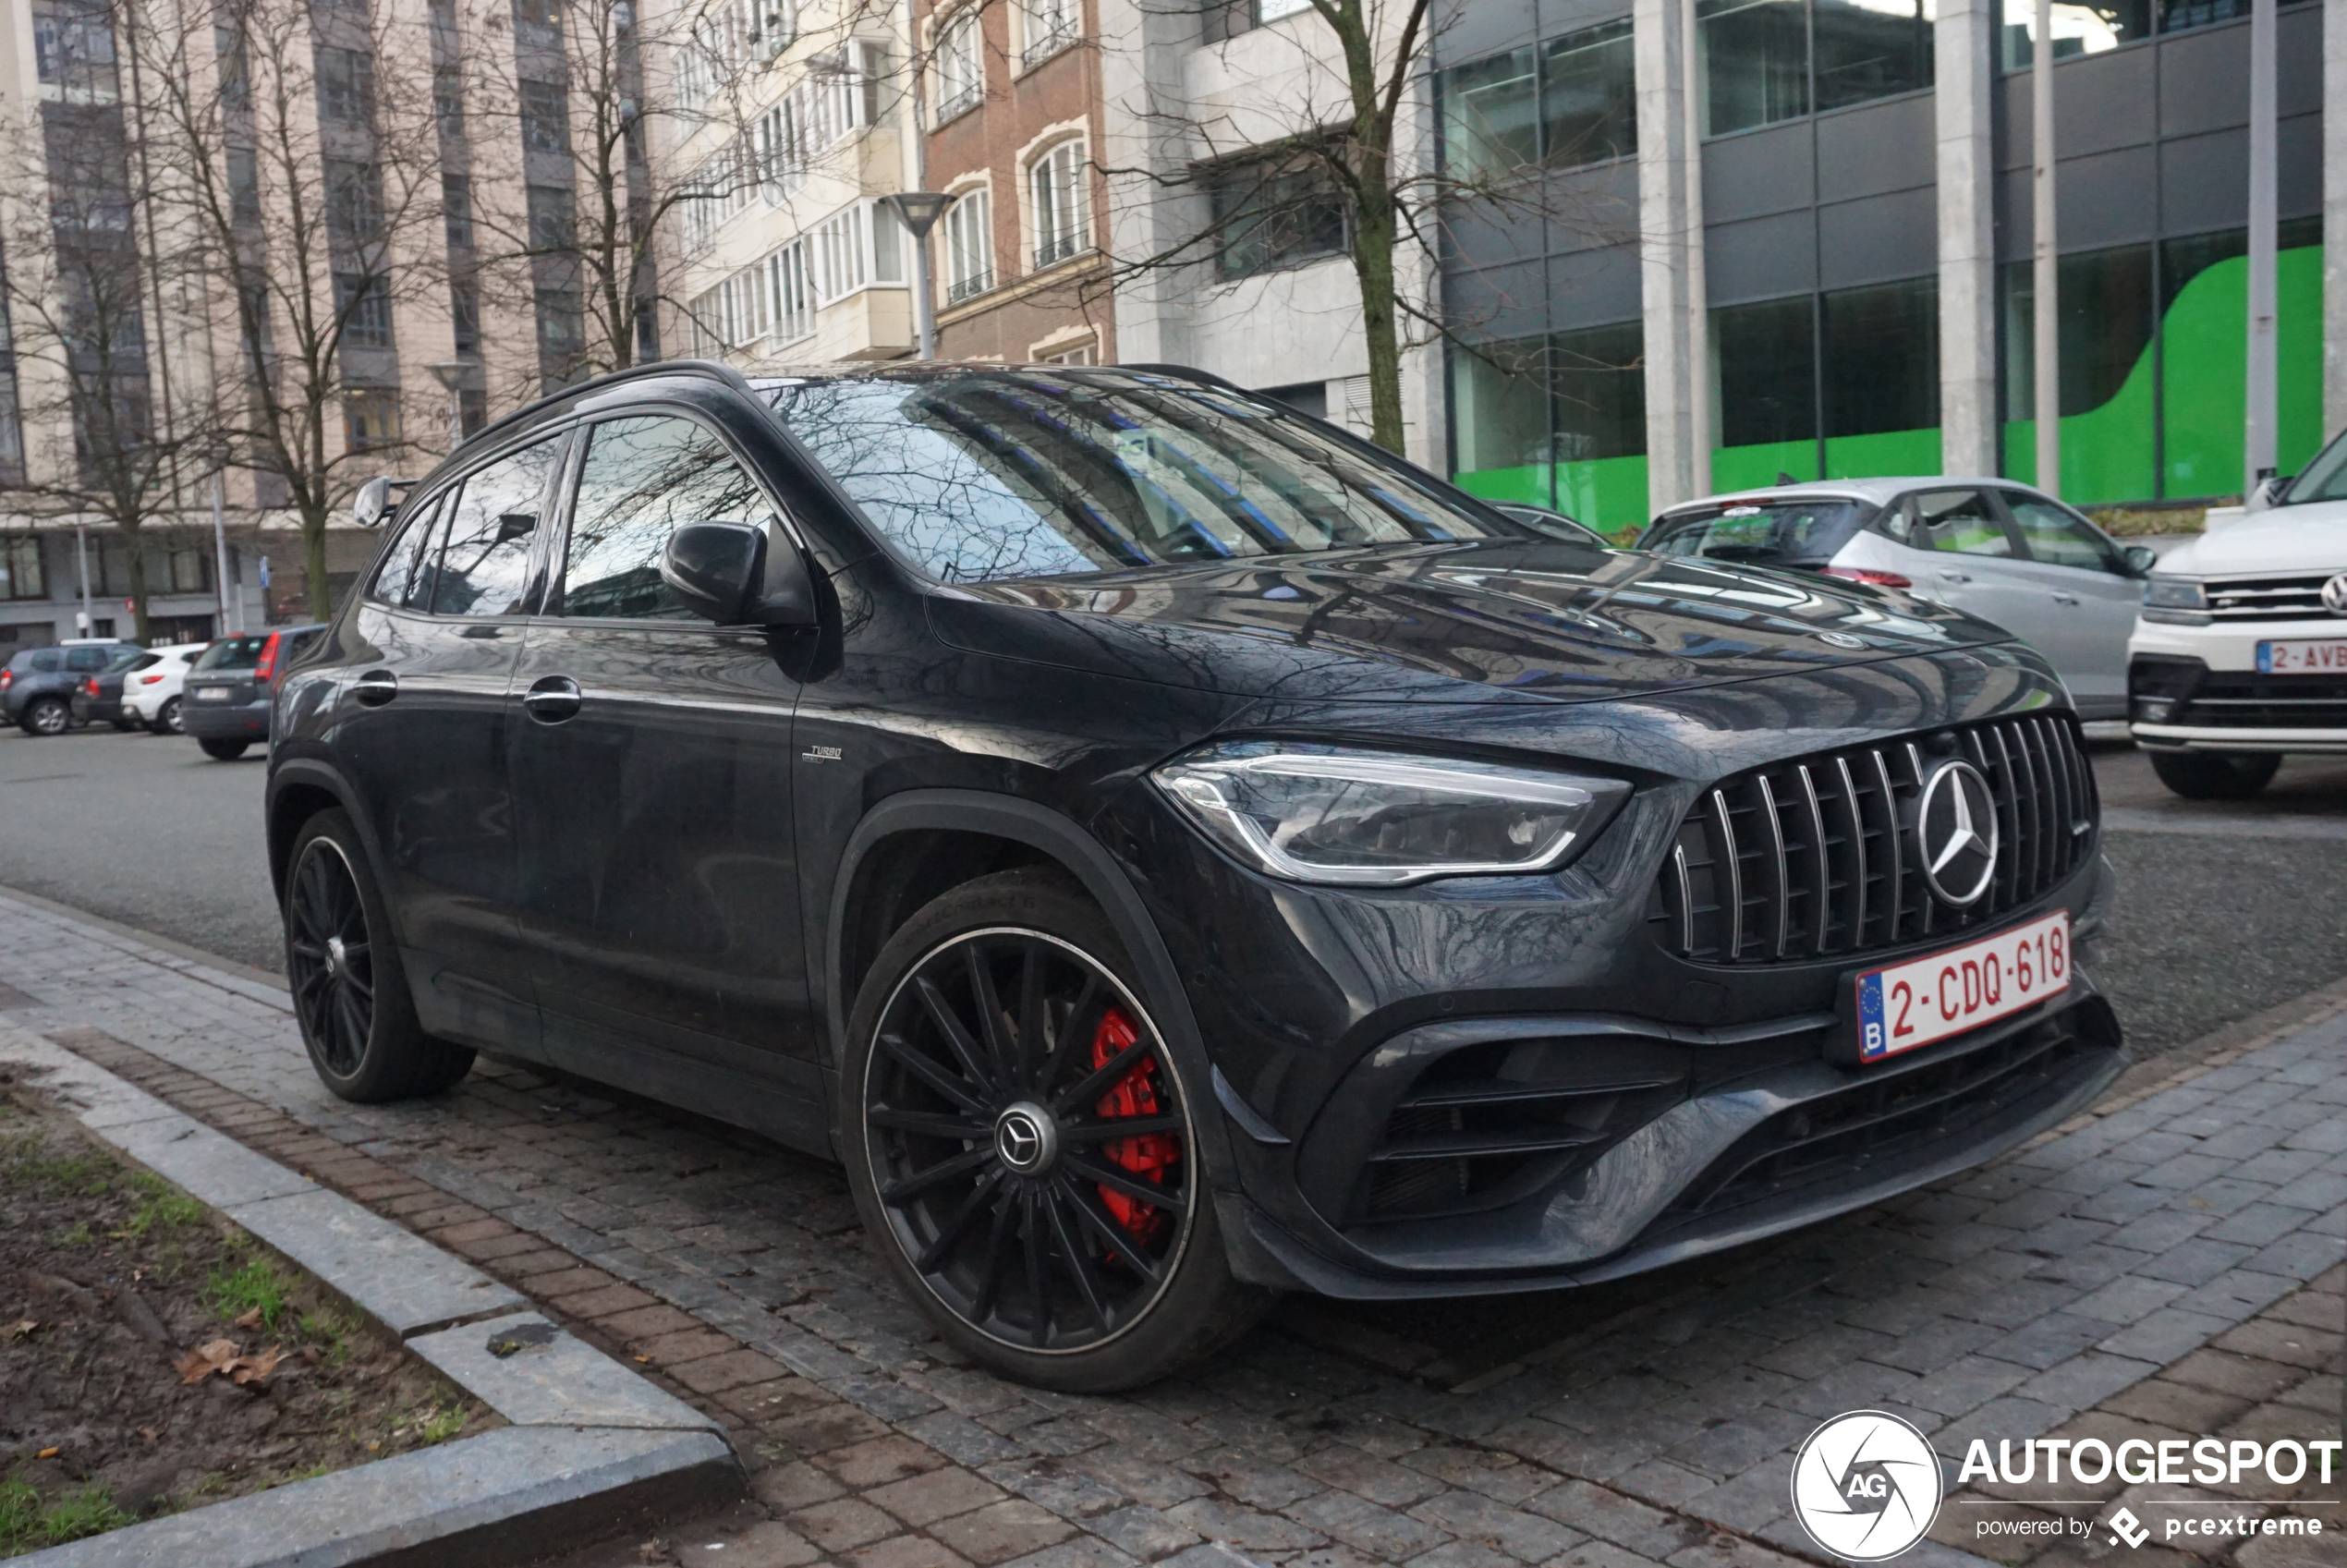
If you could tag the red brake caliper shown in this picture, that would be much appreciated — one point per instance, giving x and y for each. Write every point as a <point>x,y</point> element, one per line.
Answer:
<point>1135,1094</point>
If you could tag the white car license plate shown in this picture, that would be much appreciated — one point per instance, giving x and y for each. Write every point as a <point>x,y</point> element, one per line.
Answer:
<point>1924,1000</point>
<point>211,694</point>
<point>2326,657</point>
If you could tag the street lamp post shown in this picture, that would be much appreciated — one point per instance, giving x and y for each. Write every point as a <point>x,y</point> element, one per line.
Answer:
<point>919,211</point>
<point>450,375</point>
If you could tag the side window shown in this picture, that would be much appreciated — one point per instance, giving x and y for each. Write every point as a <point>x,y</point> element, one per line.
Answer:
<point>48,663</point>
<point>484,565</point>
<point>644,477</point>
<point>84,659</point>
<point>1959,521</point>
<point>394,577</point>
<point>2053,534</point>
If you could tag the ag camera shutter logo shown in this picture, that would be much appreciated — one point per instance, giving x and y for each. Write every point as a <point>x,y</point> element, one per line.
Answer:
<point>1866,1486</point>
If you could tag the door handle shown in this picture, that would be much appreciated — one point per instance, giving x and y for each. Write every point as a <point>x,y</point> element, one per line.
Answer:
<point>375,687</point>
<point>551,699</point>
<point>1955,577</point>
<point>2065,598</point>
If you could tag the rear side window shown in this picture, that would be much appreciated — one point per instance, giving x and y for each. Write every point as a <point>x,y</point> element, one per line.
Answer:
<point>128,657</point>
<point>234,652</point>
<point>484,562</point>
<point>146,662</point>
<point>642,478</point>
<point>81,659</point>
<point>1763,533</point>
<point>48,663</point>
<point>395,577</point>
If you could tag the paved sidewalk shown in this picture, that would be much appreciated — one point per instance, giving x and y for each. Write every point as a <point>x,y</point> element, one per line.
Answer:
<point>1651,1421</point>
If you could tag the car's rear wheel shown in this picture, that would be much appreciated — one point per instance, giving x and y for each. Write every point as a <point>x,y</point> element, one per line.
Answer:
<point>1021,1142</point>
<point>166,719</point>
<point>2215,775</point>
<point>349,989</point>
<point>47,715</point>
<point>223,750</point>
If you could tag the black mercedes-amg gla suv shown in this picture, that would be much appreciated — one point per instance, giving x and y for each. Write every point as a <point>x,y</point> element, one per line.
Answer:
<point>1173,852</point>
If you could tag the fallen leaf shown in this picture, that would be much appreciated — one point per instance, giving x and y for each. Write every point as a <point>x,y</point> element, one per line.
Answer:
<point>645,1360</point>
<point>372,1446</point>
<point>21,1326</point>
<point>48,1454</point>
<point>251,1368</point>
<point>250,1319</point>
<point>204,1360</point>
<point>309,1354</point>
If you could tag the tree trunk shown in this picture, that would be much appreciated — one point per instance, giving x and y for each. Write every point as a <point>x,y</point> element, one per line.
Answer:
<point>134,551</point>
<point>1374,269</point>
<point>313,547</point>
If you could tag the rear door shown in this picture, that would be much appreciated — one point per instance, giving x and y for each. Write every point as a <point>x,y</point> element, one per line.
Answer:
<point>421,729</point>
<point>2091,598</point>
<point>1956,548</point>
<point>652,772</point>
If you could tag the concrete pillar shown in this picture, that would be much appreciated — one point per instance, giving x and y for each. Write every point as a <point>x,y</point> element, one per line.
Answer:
<point>1144,144</point>
<point>1963,39</point>
<point>2334,216</point>
<point>1678,377</point>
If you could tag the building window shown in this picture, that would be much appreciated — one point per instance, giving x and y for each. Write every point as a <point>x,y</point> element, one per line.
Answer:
<point>73,49</point>
<point>1050,26</point>
<point>1570,102</point>
<point>448,100</point>
<point>554,222</point>
<point>1764,61</point>
<point>365,304</point>
<point>1055,188</point>
<point>1556,421</point>
<point>1271,215</point>
<point>1084,353</point>
<point>1827,385</point>
<point>354,200</point>
<point>233,65</point>
<point>969,247</point>
<point>463,314</point>
<point>791,283</point>
<point>456,210</point>
<point>545,117</point>
<point>20,576</point>
<point>960,66</point>
<point>371,420</point>
<point>1764,371</point>
<point>2090,29</point>
<point>346,86</point>
<point>244,188</point>
<point>562,335</point>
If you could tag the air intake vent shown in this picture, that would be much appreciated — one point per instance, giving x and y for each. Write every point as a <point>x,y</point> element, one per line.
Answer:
<point>1816,859</point>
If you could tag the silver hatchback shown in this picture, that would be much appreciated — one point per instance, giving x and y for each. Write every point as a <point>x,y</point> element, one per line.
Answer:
<point>1999,549</point>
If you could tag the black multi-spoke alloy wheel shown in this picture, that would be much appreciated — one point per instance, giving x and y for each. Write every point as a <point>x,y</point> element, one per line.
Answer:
<point>1022,1141</point>
<point>349,989</point>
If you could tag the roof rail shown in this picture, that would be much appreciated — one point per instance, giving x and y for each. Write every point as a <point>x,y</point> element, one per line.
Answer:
<point>1186,372</point>
<point>710,368</point>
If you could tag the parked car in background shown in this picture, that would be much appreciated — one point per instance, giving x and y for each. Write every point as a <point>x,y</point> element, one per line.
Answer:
<point>1556,525</point>
<point>223,702</point>
<point>1992,548</point>
<point>98,700</point>
<point>38,687</point>
<point>2241,657</point>
<point>151,688</point>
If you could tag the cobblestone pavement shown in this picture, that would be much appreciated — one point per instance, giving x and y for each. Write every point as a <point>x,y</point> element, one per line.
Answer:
<point>2169,1263</point>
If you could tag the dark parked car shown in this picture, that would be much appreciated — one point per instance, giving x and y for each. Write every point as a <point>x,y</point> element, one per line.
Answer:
<point>98,700</point>
<point>225,703</point>
<point>1173,852</point>
<point>38,688</point>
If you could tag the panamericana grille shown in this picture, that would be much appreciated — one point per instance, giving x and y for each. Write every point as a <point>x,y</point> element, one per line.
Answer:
<point>1815,858</point>
<point>1887,1116</point>
<point>2269,599</point>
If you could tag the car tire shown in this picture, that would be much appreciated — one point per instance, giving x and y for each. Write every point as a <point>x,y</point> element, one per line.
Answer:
<point>166,719</point>
<point>1071,1272</point>
<point>223,750</point>
<point>350,993</point>
<point>47,716</point>
<point>2215,775</point>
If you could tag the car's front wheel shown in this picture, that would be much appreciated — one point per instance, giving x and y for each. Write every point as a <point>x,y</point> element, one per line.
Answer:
<point>47,715</point>
<point>166,719</point>
<point>350,988</point>
<point>1021,1141</point>
<point>2215,775</point>
<point>223,750</point>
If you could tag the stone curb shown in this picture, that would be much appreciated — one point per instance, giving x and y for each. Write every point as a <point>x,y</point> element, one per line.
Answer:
<point>590,1443</point>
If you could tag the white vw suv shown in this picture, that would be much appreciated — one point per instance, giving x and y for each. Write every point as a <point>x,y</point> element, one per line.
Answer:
<point>2241,653</point>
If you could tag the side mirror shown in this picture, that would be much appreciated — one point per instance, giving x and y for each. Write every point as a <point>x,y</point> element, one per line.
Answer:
<point>722,571</point>
<point>2141,559</point>
<point>372,504</point>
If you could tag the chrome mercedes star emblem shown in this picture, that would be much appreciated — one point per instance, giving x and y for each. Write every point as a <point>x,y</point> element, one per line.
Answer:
<point>1842,639</point>
<point>1025,1138</point>
<point>1956,822</point>
<point>2335,595</point>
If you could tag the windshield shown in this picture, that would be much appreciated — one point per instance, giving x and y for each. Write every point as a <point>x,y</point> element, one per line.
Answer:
<point>234,653</point>
<point>981,475</point>
<point>2325,478</point>
<point>1762,533</point>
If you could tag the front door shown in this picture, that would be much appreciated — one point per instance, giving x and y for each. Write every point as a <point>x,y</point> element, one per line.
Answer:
<point>421,719</point>
<point>652,772</point>
<point>2091,600</point>
<point>1956,549</point>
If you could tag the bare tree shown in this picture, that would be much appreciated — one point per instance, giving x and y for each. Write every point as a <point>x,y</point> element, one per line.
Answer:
<point>88,263</point>
<point>297,141</point>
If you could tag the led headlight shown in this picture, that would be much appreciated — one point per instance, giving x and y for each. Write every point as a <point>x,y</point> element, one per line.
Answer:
<point>2177,600</point>
<point>1318,814</point>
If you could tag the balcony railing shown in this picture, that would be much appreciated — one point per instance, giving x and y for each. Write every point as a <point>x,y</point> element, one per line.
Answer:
<point>969,287</point>
<point>1047,43</point>
<point>1057,248</point>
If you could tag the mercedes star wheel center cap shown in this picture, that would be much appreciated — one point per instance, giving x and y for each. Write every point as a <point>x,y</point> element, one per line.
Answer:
<point>1026,1137</point>
<point>1956,822</point>
<point>334,954</point>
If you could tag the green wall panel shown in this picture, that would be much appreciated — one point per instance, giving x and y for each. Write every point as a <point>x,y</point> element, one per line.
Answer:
<point>1752,466</point>
<point>1886,451</point>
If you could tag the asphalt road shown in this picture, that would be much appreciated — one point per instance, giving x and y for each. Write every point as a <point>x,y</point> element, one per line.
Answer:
<point>2223,911</point>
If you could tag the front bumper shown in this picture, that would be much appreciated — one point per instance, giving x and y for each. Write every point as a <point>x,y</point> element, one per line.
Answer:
<point>2199,688</point>
<point>240,721</point>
